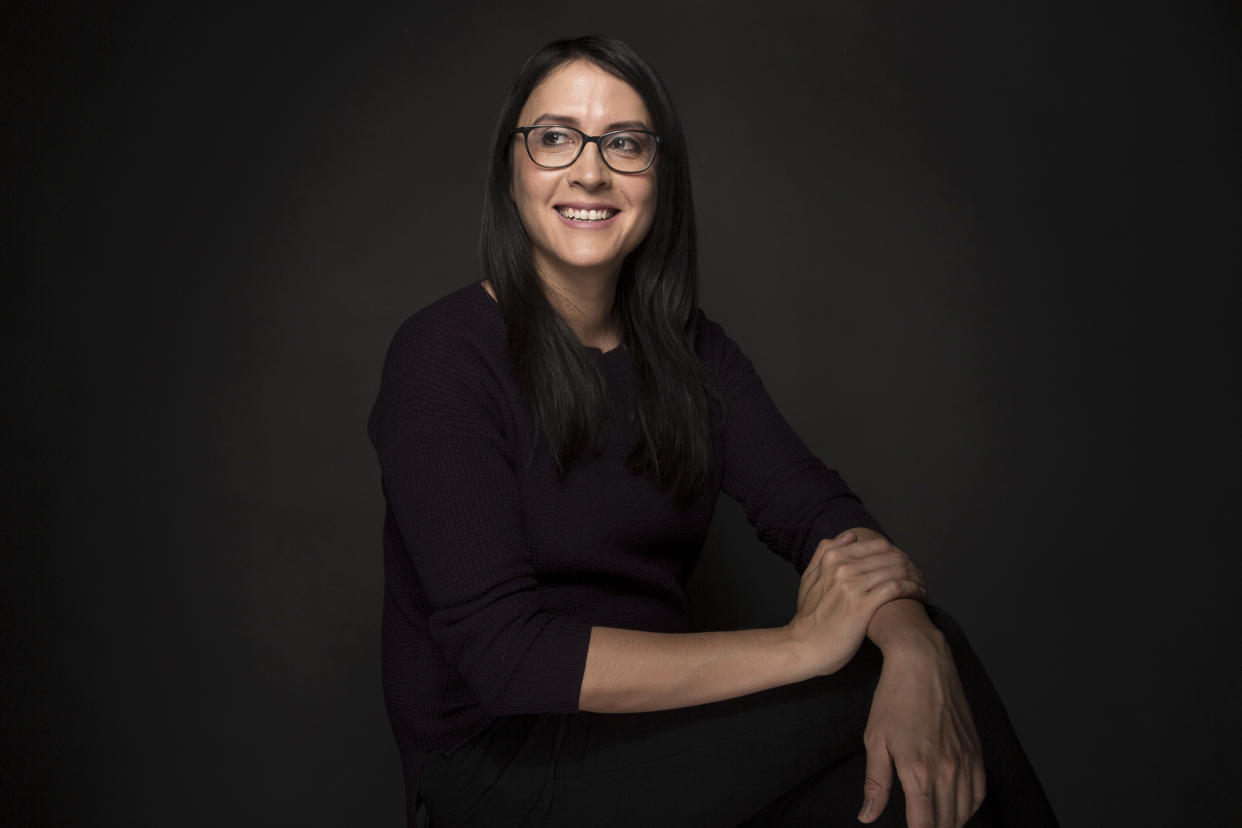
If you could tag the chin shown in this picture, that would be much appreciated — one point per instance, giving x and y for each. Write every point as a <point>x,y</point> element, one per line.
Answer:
<point>588,261</point>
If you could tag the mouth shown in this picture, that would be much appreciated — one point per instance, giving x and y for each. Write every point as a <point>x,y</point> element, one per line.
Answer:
<point>586,215</point>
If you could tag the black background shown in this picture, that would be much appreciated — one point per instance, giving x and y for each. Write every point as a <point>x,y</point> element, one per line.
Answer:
<point>986,257</point>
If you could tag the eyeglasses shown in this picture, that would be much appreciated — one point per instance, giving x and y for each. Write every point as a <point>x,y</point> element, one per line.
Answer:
<point>627,151</point>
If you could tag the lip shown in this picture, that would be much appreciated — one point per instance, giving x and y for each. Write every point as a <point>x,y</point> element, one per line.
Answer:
<point>599,224</point>
<point>583,205</point>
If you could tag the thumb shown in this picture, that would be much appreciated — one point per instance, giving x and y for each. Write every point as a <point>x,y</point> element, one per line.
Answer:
<point>844,539</point>
<point>876,785</point>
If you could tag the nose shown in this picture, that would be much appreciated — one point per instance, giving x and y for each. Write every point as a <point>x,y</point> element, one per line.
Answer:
<point>589,170</point>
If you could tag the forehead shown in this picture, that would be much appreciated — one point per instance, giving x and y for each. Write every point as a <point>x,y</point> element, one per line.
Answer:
<point>584,95</point>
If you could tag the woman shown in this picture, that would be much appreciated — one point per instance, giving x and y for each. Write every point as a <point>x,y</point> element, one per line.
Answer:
<point>552,441</point>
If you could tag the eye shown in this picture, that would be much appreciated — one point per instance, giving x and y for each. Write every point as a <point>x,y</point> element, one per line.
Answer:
<point>556,137</point>
<point>627,143</point>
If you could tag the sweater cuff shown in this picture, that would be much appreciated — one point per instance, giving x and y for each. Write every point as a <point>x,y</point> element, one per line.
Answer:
<point>551,680</point>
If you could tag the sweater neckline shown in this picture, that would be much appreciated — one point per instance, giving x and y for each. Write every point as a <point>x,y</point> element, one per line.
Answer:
<point>493,309</point>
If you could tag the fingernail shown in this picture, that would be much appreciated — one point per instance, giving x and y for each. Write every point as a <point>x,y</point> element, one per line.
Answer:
<point>866,809</point>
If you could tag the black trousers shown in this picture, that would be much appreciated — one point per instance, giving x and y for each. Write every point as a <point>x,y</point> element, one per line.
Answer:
<point>788,756</point>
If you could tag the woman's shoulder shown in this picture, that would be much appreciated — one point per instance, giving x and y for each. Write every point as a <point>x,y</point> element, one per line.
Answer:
<point>457,342</point>
<point>462,322</point>
<point>446,362</point>
<point>720,354</point>
<point>711,334</point>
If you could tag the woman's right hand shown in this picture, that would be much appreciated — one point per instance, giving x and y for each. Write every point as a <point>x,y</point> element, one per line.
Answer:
<point>846,581</point>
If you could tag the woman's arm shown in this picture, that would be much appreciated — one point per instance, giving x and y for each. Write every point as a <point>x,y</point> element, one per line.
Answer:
<point>460,561</point>
<point>845,583</point>
<point>630,671</point>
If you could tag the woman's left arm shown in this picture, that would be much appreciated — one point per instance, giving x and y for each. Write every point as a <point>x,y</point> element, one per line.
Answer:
<point>920,722</point>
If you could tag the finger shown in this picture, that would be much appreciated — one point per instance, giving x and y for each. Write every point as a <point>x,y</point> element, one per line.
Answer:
<point>876,784</point>
<point>865,548</point>
<point>812,570</point>
<point>913,574</point>
<point>844,539</point>
<point>876,581</point>
<point>945,797</point>
<point>979,789</point>
<point>965,795</point>
<point>920,806</point>
<point>872,546</point>
<point>897,565</point>
<point>880,559</point>
<point>891,591</point>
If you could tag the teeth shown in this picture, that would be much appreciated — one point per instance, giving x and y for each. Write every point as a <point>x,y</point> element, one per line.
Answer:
<point>585,215</point>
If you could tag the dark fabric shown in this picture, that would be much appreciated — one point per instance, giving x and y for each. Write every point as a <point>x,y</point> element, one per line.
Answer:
<point>496,567</point>
<point>790,756</point>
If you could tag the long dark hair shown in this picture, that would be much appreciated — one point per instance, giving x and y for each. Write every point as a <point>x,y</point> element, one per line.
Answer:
<point>655,306</point>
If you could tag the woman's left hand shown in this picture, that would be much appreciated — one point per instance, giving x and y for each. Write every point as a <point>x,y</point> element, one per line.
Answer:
<point>920,722</point>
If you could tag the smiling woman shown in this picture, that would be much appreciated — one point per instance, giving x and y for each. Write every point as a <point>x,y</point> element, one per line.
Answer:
<point>552,441</point>
<point>583,216</point>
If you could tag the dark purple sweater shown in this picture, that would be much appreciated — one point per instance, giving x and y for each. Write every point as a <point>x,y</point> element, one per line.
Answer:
<point>496,568</point>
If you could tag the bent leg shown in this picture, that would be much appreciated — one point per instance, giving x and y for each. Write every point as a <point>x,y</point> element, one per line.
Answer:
<point>831,797</point>
<point>787,756</point>
<point>1015,797</point>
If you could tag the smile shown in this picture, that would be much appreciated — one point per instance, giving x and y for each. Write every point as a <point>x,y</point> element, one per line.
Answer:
<point>585,215</point>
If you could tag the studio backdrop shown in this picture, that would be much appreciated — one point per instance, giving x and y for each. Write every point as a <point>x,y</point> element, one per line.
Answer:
<point>984,256</point>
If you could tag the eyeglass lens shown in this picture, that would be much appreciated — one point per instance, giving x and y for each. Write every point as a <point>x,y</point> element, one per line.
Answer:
<point>559,146</point>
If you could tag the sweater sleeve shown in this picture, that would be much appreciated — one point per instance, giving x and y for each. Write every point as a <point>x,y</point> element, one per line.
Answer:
<point>438,428</point>
<point>791,498</point>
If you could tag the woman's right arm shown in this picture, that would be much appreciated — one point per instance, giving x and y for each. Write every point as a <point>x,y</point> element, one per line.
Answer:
<point>455,498</point>
<point>629,671</point>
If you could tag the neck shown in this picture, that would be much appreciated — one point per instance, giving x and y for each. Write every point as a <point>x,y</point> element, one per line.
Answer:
<point>584,301</point>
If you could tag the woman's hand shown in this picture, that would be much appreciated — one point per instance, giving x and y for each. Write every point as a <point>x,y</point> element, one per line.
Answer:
<point>846,581</point>
<point>921,722</point>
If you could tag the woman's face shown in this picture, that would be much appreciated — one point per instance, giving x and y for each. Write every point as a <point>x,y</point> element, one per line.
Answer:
<point>580,94</point>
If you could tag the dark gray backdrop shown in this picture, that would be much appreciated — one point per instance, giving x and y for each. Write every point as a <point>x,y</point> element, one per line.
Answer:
<point>985,256</point>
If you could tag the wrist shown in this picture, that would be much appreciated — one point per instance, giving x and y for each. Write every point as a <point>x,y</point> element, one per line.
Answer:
<point>909,645</point>
<point>805,658</point>
<point>903,628</point>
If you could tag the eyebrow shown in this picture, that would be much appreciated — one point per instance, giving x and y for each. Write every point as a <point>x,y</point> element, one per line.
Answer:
<point>569,120</point>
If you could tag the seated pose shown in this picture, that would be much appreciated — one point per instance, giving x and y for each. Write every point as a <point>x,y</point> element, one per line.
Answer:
<point>552,441</point>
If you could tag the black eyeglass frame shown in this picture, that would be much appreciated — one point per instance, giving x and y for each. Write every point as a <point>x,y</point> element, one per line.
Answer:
<point>586,139</point>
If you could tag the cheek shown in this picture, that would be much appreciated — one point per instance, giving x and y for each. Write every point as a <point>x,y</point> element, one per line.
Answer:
<point>528,188</point>
<point>649,199</point>
<point>522,182</point>
<point>519,191</point>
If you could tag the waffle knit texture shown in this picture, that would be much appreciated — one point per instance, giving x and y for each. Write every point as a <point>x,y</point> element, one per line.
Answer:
<point>496,566</point>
